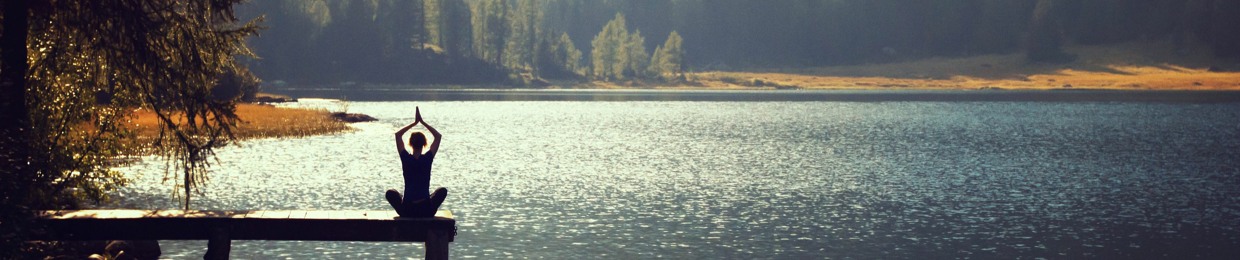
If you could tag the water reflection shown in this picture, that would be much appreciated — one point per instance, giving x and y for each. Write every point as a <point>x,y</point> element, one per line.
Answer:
<point>767,179</point>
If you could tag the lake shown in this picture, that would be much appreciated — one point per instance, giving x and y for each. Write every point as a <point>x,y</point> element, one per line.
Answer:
<point>751,175</point>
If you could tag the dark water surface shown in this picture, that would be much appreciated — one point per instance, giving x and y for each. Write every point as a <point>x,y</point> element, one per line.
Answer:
<point>772,179</point>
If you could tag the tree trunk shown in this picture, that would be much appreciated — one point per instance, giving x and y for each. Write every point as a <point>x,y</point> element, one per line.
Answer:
<point>16,175</point>
<point>13,112</point>
<point>188,190</point>
<point>14,116</point>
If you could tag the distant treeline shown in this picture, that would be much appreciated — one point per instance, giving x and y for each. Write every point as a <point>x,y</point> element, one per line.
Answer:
<point>497,41</point>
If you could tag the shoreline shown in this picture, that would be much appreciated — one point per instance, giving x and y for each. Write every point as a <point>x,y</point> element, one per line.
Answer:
<point>760,95</point>
<point>1135,66</point>
<point>1126,66</point>
<point>1112,78</point>
<point>1121,78</point>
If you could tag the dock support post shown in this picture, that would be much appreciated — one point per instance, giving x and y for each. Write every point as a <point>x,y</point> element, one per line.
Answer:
<point>436,245</point>
<point>219,245</point>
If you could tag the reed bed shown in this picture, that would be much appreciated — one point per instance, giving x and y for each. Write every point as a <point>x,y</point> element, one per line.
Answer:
<point>256,121</point>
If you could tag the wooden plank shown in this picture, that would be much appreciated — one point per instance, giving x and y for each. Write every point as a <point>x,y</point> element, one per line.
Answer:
<point>93,214</point>
<point>339,215</point>
<point>381,215</point>
<point>244,225</point>
<point>206,214</point>
<point>167,214</point>
<point>50,214</point>
<point>267,214</point>
<point>123,214</point>
<point>347,215</point>
<point>275,214</point>
<point>221,227</point>
<point>257,214</point>
<point>443,214</point>
<point>79,214</point>
<point>352,214</point>
<point>320,215</point>
<point>46,214</point>
<point>333,215</point>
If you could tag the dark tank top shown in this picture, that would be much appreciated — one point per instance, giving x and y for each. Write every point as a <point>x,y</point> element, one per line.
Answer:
<point>417,174</point>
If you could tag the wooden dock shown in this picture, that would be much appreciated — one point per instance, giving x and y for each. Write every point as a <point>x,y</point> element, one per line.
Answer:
<point>221,227</point>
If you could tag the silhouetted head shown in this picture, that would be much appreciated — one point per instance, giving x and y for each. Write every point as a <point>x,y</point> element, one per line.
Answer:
<point>417,142</point>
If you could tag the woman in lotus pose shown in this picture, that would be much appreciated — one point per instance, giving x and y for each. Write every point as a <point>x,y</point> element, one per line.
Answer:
<point>417,172</point>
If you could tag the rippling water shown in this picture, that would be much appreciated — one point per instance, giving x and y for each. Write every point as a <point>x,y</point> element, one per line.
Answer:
<point>573,179</point>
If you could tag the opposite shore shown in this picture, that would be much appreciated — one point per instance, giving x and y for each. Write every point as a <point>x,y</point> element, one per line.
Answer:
<point>1131,69</point>
<point>1132,66</point>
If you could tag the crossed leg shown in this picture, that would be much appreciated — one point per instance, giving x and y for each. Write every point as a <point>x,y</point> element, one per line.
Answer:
<point>394,199</point>
<point>423,208</point>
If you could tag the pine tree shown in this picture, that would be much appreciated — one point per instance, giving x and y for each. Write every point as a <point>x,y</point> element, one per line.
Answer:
<point>519,45</point>
<point>566,55</point>
<point>638,60</point>
<point>487,19</point>
<point>656,61</point>
<point>608,55</point>
<point>667,60</point>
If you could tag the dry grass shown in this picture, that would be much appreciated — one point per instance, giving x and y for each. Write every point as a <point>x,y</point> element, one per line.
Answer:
<point>256,121</point>
<point>1126,66</point>
<point>260,121</point>
<point>642,84</point>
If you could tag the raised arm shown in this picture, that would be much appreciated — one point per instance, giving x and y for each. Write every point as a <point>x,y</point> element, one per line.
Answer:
<point>435,133</point>
<point>400,134</point>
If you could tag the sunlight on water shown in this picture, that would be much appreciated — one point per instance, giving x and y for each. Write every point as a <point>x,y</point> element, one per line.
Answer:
<point>763,179</point>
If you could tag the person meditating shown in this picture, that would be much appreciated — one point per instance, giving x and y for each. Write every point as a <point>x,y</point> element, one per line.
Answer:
<point>417,172</point>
